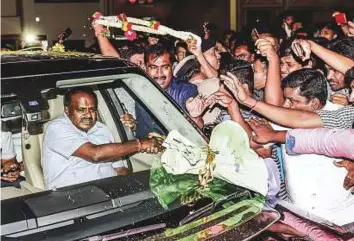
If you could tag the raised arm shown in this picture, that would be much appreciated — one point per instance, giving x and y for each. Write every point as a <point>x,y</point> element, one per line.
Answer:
<point>106,47</point>
<point>282,116</point>
<point>333,59</point>
<point>273,91</point>
<point>209,71</point>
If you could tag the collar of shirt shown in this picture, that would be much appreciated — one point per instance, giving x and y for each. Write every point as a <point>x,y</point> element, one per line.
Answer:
<point>172,85</point>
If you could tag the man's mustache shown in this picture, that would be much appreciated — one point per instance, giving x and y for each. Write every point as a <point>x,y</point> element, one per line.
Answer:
<point>86,119</point>
<point>160,78</point>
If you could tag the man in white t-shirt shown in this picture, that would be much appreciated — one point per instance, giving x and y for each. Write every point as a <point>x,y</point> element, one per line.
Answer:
<point>77,148</point>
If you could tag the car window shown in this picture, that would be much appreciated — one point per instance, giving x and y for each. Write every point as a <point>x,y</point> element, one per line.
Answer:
<point>161,107</point>
<point>11,121</point>
<point>152,110</point>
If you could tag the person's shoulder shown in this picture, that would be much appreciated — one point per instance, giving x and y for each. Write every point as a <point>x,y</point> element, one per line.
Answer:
<point>185,86</point>
<point>335,108</point>
<point>59,124</point>
<point>57,121</point>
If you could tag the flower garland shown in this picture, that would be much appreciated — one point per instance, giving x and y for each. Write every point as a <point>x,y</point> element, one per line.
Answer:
<point>130,25</point>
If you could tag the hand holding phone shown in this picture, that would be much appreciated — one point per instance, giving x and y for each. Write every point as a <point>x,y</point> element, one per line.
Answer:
<point>340,18</point>
<point>302,49</point>
<point>254,35</point>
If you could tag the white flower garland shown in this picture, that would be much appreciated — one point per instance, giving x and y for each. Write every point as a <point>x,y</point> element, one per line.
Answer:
<point>128,23</point>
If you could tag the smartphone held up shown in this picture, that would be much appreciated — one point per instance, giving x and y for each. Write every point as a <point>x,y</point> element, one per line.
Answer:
<point>254,34</point>
<point>340,18</point>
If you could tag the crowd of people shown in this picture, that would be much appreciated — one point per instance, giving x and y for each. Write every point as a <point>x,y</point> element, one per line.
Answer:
<point>291,91</point>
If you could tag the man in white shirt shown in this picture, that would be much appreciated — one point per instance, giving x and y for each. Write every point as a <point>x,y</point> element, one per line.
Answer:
<point>77,148</point>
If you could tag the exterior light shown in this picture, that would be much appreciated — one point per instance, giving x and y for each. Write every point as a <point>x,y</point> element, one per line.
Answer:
<point>30,38</point>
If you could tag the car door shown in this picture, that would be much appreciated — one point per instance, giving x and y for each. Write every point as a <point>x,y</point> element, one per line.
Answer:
<point>127,93</point>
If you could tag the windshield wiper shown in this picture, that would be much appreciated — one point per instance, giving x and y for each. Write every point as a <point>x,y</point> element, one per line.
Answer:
<point>127,233</point>
<point>210,208</point>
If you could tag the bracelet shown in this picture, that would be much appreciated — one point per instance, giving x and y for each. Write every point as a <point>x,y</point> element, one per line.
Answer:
<point>139,143</point>
<point>104,33</point>
<point>254,106</point>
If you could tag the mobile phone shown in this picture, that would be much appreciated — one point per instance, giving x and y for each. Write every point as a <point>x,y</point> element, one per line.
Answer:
<point>64,35</point>
<point>254,35</point>
<point>300,51</point>
<point>340,18</point>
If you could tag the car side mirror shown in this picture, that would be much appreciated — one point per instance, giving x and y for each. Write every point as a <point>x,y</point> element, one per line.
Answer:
<point>11,109</point>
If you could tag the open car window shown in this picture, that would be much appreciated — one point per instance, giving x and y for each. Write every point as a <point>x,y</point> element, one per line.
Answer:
<point>150,108</point>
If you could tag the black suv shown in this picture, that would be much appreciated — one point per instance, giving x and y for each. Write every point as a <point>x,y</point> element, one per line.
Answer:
<point>33,85</point>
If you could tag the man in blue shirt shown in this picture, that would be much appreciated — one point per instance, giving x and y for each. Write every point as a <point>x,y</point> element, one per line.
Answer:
<point>158,62</point>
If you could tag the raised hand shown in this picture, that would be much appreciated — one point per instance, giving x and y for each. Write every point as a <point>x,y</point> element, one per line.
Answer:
<point>266,48</point>
<point>350,32</point>
<point>152,144</point>
<point>235,86</point>
<point>98,28</point>
<point>302,48</point>
<point>262,129</point>
<point>128,120</point>
<point>222,98</point>
<point>193,46</point>
<point>196,106</point>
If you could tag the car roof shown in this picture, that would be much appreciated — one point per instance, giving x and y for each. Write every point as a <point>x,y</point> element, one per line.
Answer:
<point>28,64</point>
<point>17,68</point>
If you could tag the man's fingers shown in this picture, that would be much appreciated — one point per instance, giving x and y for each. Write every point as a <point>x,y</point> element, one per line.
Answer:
<point>235,79</point>
<point>255,138</point>
<point>8,179</point>
<point>296,49</point>
<point>209,100</point>
<point>253,124</point>
<point>338,97</point>
<point>232,76</point>
<point>341,164</point>
<point>225,78</point>
<point>231,85</point>
<point>262,41</point>
<point>348,181</point>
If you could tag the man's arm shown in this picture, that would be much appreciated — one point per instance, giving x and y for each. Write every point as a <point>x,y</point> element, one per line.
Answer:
<point>273,91</point>
<point>106,47</point>
<point>264,132</point>
<point>329,142</point>
<point>333,59</point>
<point>209,71</point>
<point>113,151</point>
<point>282,116</point>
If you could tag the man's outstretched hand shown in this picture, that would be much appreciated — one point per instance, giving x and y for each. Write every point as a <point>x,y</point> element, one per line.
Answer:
<point>235,86</point>
<point>196,106</point>
<point>264,132</point>
<point>152,144</point>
